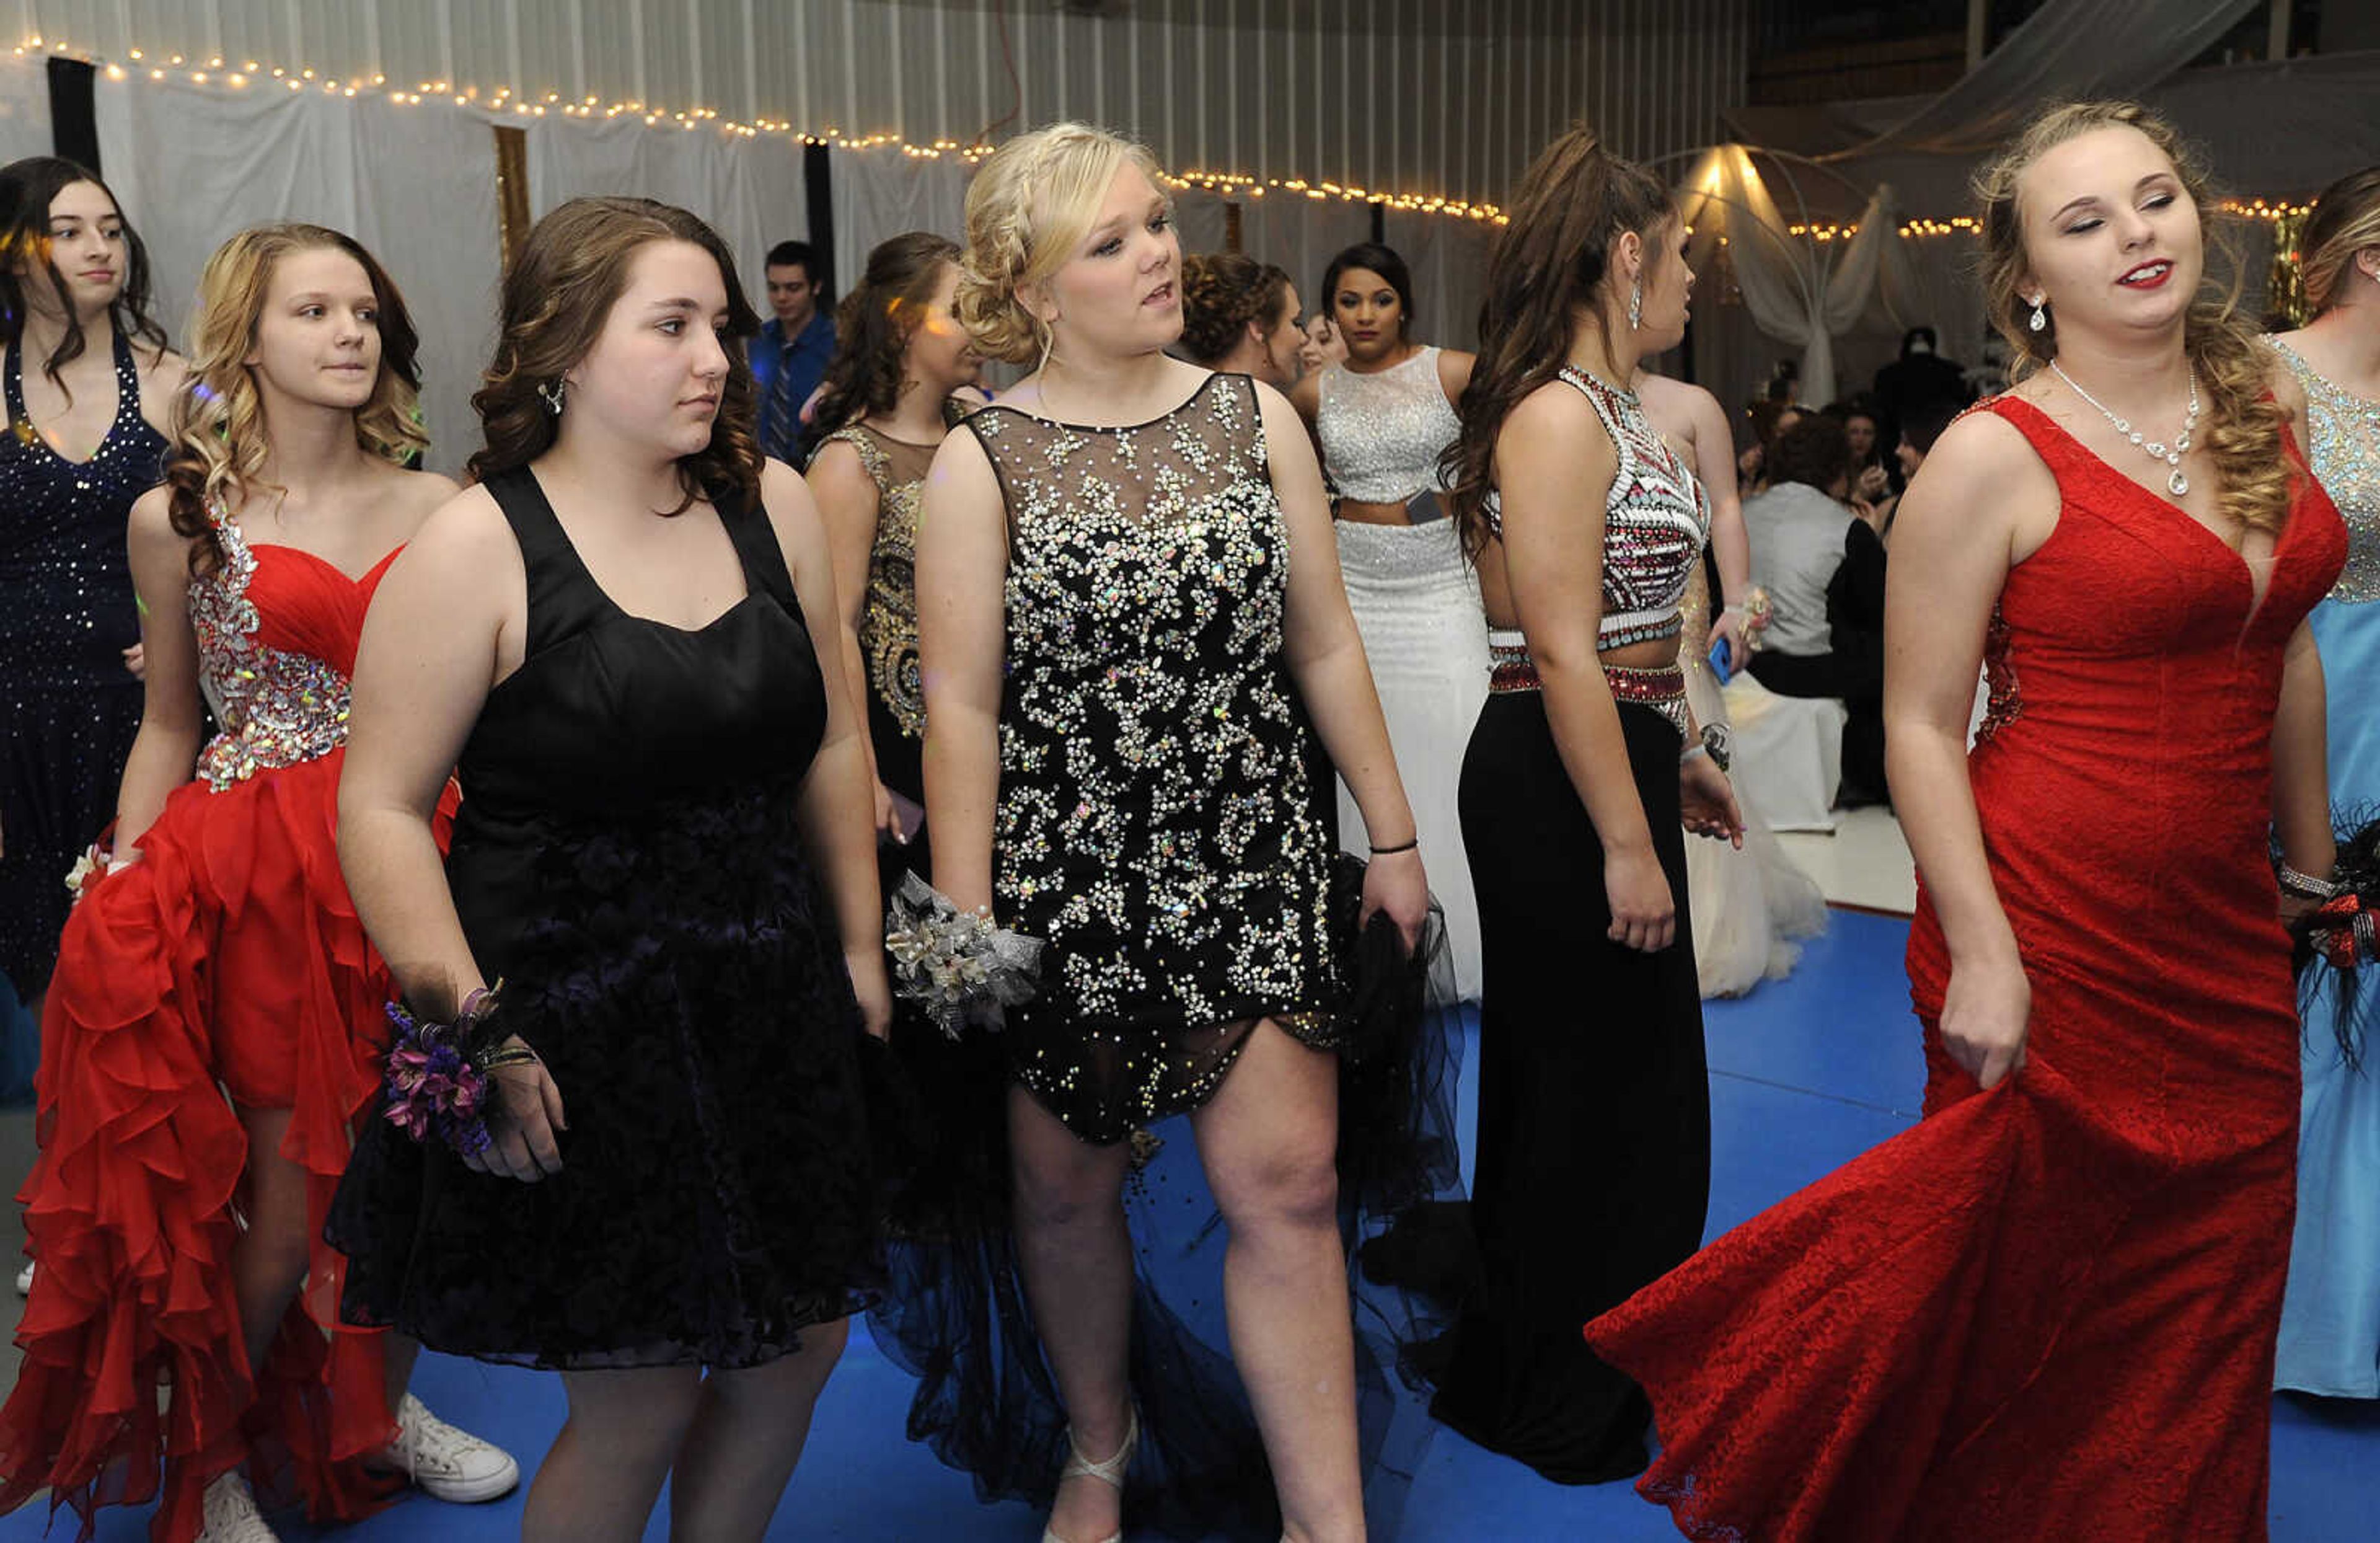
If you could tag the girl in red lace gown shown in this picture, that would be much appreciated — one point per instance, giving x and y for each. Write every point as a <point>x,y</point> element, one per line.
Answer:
<point>2048,1311</point>
<point>212,1029</point>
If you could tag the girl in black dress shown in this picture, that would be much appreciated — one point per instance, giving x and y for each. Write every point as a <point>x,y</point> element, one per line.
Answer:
<point>1594,1156</point>
<point>661,787</point>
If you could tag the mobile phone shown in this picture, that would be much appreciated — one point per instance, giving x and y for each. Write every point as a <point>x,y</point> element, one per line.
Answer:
<point>1718,660</point>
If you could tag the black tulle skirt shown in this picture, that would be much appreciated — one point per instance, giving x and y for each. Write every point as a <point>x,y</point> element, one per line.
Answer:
<point>956,1312</point>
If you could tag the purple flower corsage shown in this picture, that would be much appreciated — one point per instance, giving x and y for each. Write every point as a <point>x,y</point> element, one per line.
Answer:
<point>437,1080</point>
<point>955,965</point>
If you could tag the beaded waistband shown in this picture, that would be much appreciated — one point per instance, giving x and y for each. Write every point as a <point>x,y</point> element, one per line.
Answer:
<point>1663,689</point>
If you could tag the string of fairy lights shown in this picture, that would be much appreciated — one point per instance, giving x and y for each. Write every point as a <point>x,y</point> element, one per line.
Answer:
<point>504,101</point>
<point>2286,217</point>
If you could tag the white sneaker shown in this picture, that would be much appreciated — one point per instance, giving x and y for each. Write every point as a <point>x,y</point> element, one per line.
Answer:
<point>24,1280</point>
<point>447,1463</point>
<point>230,1515</point>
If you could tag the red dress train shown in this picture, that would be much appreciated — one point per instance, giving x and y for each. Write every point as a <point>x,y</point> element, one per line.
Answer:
<point>226,966</point>
<point>2048,1311</point>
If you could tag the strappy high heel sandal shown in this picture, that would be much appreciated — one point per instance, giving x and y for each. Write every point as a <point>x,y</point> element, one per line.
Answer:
<point>1110,1473</point>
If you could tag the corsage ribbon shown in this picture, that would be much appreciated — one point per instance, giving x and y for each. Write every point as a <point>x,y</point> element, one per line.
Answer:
<point>437,1074</point>
<point>2341,932</point>
<point>955,965</point>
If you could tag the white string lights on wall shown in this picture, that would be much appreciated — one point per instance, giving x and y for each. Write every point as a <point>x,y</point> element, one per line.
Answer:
<point>504,101</point>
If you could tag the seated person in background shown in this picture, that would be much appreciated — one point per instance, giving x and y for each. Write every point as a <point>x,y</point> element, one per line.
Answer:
<point>1855,601</point>
<point>1798,529</point>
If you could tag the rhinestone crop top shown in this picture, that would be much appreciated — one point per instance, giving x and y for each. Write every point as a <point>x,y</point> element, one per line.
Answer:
<point>1381,433</point>
<point>1654,521</point>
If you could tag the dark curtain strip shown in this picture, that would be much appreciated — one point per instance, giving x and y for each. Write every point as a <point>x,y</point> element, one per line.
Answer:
<point>74,118</point>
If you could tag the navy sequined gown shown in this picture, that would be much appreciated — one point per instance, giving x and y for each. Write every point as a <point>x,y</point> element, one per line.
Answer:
<point>68,708</point>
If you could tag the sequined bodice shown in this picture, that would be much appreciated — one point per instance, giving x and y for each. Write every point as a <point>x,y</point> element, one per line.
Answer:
<point>888,616</point>
<point>1656,520</point>
<point>2343,445</point>
<point>1382,432</point>
<point>276,629</point>
<point>1155,820</point>
<point>65,585</point>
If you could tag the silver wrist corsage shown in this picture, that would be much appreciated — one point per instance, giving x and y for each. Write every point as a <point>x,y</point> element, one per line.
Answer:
<point>955,965</point>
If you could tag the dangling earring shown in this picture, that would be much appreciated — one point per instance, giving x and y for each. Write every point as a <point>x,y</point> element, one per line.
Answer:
<point>1635,304</point>
<point>550,393</point>
<point>2040,317</point>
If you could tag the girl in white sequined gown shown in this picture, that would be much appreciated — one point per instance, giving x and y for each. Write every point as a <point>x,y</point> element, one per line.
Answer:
<point>1381,416</point>
<point>1748,904</point>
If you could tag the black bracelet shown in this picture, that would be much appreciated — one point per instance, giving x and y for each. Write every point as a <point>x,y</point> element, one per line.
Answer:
<point>1392,851</point>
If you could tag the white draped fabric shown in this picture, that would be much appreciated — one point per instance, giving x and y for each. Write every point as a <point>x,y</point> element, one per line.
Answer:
<point>1448,259</point>
<point>883,192</point>
<point>24,108</point>
<point>751,190</point>
<point>416,185</point>
<point>1800,291</point>
<point>2066,50</point>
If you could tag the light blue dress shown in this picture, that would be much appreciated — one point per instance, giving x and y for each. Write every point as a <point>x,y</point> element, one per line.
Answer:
<point>2330,1319</point>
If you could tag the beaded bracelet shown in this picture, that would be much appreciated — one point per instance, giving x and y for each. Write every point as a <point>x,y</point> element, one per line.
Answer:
<point>2305,886</point>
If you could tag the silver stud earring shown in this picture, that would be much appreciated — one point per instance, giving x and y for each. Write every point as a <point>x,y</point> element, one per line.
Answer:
<point>550,393</point>
<point>2040,317</point>
<point>1636,304</point>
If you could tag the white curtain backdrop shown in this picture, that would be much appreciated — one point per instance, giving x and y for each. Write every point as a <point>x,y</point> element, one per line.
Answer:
<point>1302,235</point>
<point>1800,291</point>
<point>1448,259</point>
<point>883,192</point>
<point>416,185</point>
<point>751,190</point>
<point>24,108</point>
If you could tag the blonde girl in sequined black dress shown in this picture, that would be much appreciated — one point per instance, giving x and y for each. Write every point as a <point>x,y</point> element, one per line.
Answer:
<point>1126,586</point>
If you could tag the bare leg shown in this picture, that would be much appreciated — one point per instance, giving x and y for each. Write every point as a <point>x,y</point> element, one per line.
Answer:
<point>746,1437</point>
<point>269,1259</point>
<point>599,1479</point>
<point>1269,1139</point>
<point>1078,1262</point>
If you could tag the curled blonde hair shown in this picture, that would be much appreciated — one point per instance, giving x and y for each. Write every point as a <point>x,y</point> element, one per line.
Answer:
<point>217,449</point>
<point>1030,203</point>
<point>2346,220</point>
<point>2244,421</point>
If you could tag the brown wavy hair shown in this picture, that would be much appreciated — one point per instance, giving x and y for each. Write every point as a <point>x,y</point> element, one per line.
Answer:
<point>1030,201</point>
<point>217,449</point>
<point>27,189</point>
<point>1222,293</point>
<point>1574,201</point>
<point>559,293</point>
<point>2244,421</point>
<point>873,325</point>
<point>2346,219</point>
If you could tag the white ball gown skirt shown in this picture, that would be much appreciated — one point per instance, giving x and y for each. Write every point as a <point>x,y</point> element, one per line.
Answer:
<point>1417,603</point>
<point>1750,905</point>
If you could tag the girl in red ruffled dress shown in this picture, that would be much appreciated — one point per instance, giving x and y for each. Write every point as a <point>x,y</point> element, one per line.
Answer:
<point>212,1030</point>
<point>2049,1311</point>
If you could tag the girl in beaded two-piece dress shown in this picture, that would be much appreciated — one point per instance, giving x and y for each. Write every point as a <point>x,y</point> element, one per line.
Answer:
<point>88,377</point>
<point>214,1031</point>
<point>2330,1316</point>
<point>1125,586</point>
